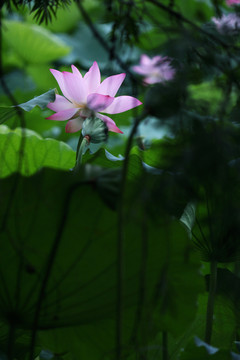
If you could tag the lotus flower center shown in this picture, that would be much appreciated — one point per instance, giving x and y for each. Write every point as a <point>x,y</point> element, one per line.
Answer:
<point>84,111</point>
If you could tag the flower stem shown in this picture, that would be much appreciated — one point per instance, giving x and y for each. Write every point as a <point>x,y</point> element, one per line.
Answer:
<point>210,304</point>
<point>164,345</point>
<point>78,145</point>
<point>11,341</point>
<point>120,240</point>
<point>83,142</point>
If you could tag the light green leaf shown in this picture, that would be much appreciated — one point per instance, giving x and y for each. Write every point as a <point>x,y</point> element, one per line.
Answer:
<point>188,217</point>
<point>33,43</point>
<point>25,151</point>
<point>6,112</point>
<point>41,76</point>
<point>85,46</point>
<point>41,101</point>
<point>210,349</point>
<point>202,350</point>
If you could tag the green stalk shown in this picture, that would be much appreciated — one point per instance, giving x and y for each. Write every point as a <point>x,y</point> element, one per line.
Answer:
<point>78,145</point>
<point>165,345</point>
<point>211,300</point>
<point>120,239</point>
<point>11,341</point>
<point>80,151</point>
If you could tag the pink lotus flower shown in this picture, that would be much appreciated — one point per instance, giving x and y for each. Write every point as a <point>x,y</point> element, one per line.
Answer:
<point>155,70</point>
<point>232,2</point>
<point>85,97</point>
<point>227,24</point>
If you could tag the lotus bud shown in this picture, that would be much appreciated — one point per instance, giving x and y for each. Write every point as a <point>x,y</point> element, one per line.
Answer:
<point>95,130</point>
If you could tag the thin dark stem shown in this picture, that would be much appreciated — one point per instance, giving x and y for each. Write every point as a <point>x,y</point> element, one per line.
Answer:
<point>211,300</point>
<point>165,345</point>
<point>142,279</point>
<point>120,239</point>
<point>209,215</point>
<point>32,290</point>
<point>197,242</point>
<point>78,145</point>
<point>224,104</point>
<point>11,340</point>
<point>19,113</point>
<point>49,267</point>
<point>182,18</point>
<point>4,84</point>
<point>235,302</point>
<point>12,327</point>
<point>102,41</point>
<point>237,268</point>
<point>202,234</point>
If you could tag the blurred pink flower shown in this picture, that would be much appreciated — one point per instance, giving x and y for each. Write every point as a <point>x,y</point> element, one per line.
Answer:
<point>227,23</point>
<point>155,70</point>
<point>232,2</point>
<point>87,96</point>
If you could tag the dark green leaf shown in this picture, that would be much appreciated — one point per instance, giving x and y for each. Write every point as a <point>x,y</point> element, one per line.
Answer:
<point>6,112</point>
<point>41,101</point>
<point>62,211</point>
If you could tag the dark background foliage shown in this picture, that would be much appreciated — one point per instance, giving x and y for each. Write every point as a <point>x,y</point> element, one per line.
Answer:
<point>137,254</point>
